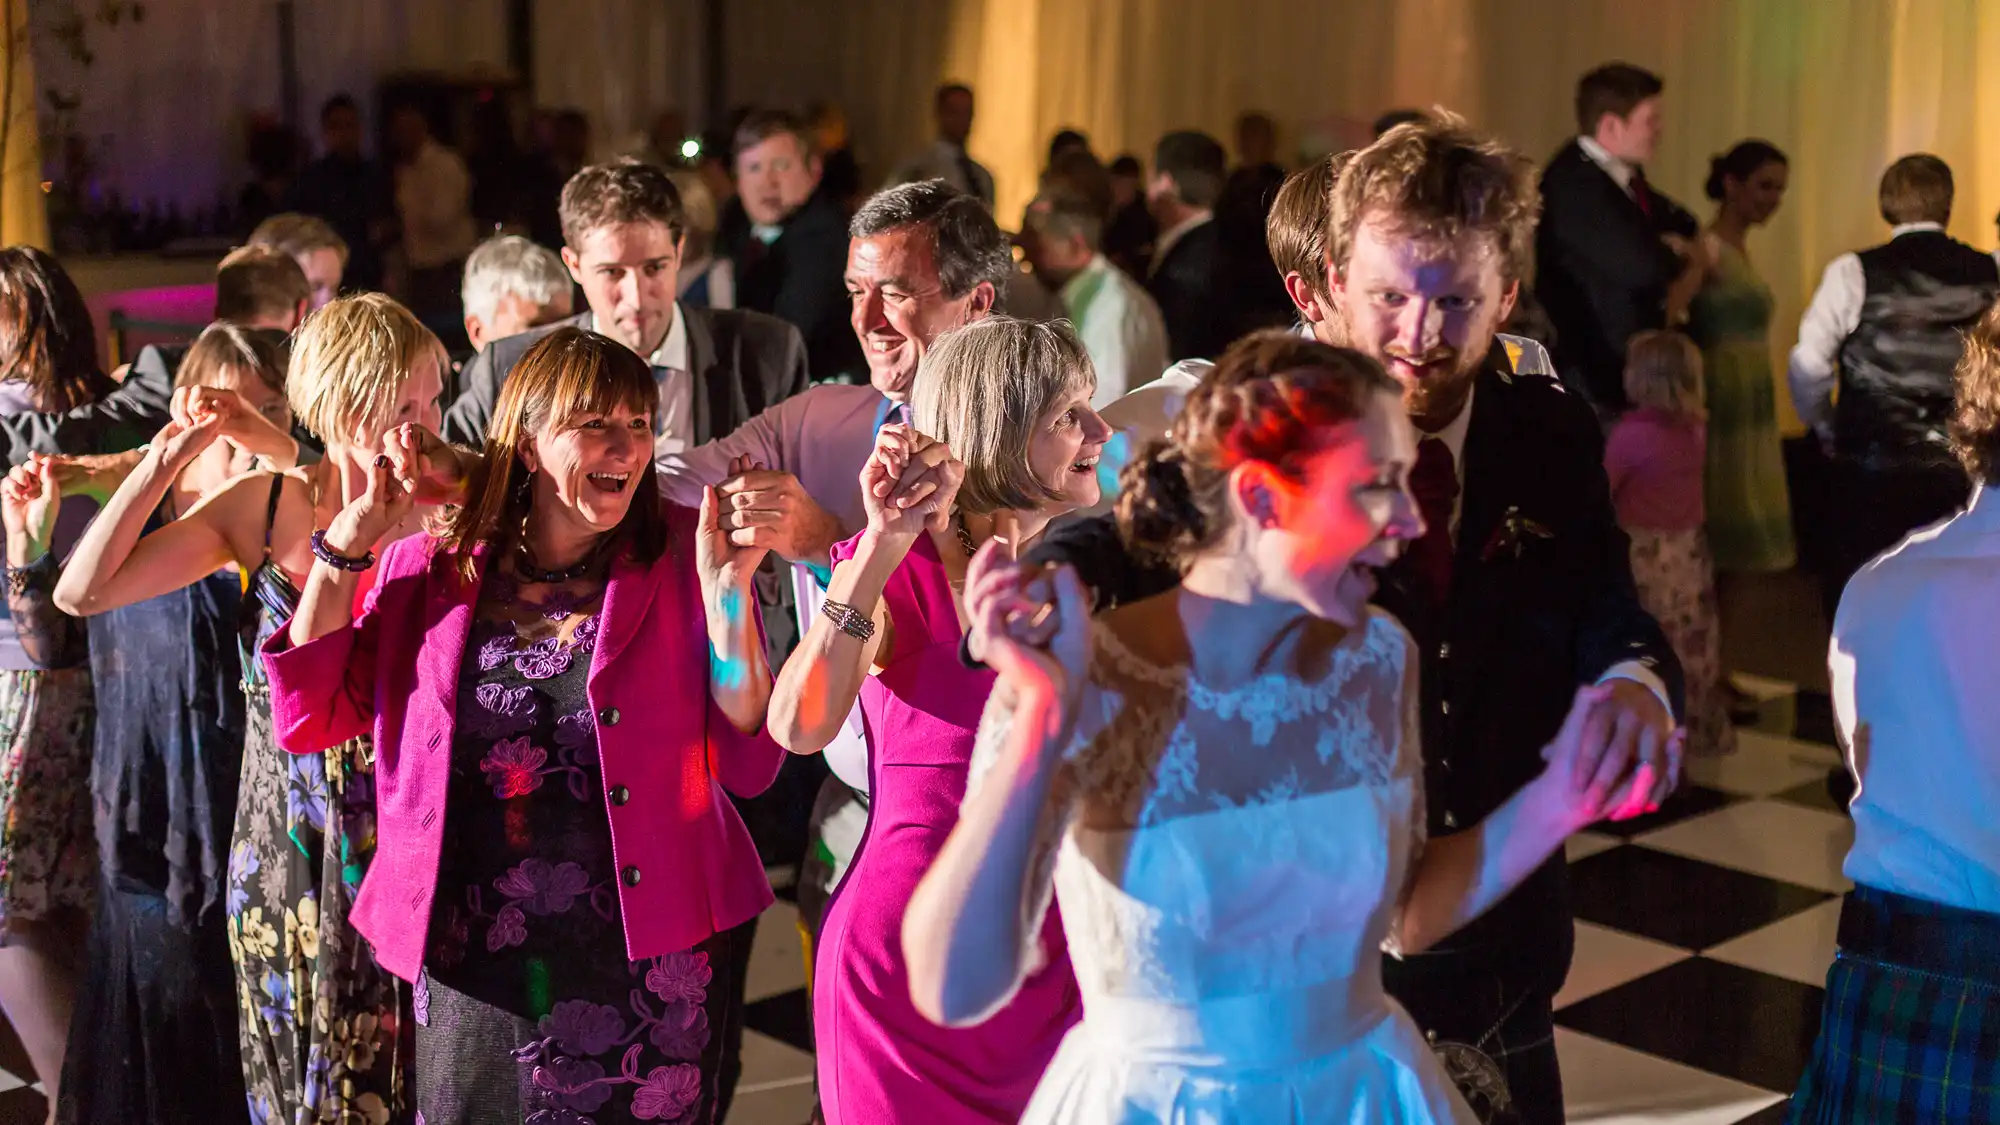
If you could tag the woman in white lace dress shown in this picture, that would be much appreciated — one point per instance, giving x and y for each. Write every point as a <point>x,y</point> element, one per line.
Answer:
<point>1223,783</point>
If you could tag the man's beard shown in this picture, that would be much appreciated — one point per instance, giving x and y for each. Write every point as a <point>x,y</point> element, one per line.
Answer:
<point>1435,398</point>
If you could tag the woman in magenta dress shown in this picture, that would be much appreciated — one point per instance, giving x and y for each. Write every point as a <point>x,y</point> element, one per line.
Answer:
<point>1004,441</point>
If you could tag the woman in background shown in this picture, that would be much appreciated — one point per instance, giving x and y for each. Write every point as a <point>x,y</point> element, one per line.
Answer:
<point>48,860</point>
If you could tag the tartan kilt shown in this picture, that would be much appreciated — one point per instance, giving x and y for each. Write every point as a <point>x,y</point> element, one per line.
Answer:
<point>1902,1045</point>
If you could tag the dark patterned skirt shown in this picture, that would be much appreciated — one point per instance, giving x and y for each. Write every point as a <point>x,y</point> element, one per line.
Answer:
<point>1911,1027</point>
<point>1676,579</point>
<point>48,852</point>
<point>648,1046</point>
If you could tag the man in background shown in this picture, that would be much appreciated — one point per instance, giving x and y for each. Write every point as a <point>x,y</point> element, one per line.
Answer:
<point>512,284</point>
<point>945,158</point>
<point>1887,328</point>
<point>1249,276</point>
<point>1115,317</point>
<point>1185,272</point>
<point>1128,239</point>
<point>318,249</point>
<point>791,263</point>
<point>349,191</point>
<point>434,202</point>
<point>1610,244</point>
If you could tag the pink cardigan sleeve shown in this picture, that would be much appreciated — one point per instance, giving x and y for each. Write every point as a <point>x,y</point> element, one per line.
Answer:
<point>746,764</point>
<point>323,691</point>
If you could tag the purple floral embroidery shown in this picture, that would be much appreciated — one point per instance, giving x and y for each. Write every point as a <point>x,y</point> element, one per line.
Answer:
<point>510,927</point>
<point>681,1032</point>
<point>543,660</point>
<point>576,731</point>
<point>559,605</point>
<point>513,767</point>
<point>584,637</point>
<point>502,710</point>
<point>680,976</point>
<point>540,887</point>
<point>667,1093</point>
<point>420,1000</point>
<point>495,652</point>
<point>559,1117</point>
<point>584,1028</point>
<point>576,1084</point>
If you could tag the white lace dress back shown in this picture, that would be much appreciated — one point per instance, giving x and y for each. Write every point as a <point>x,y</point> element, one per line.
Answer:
<point>1229,863</point>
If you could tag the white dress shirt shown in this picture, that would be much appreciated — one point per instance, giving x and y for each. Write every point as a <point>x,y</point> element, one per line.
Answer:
<point>1915,675</point>
<point>1120,326</point>
<point>433,198</point>
<point>1833,315</point>
<point>1173,234</point>
<point>673,418</point>
<point>1620,172</point>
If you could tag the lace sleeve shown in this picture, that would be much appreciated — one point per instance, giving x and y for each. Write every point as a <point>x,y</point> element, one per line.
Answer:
<point>995,725</point>
<point>1409,763</point>
<point>51,638</point>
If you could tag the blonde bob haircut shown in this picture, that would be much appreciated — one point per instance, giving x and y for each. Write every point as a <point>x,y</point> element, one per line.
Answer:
<point>349,362</point>
<point>985,389</point>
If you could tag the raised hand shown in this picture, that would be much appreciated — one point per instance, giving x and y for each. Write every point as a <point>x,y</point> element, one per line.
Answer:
<point>426,465</point>
<point>30,500</point>
<point>192,427</point>
<point>382,505</point>
<point>909,483</point>
<point>1055,670</point>
<point>770,509</point>
<point>723,562</point>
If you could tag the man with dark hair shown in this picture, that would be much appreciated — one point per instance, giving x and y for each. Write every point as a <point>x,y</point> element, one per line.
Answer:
<point>1065,142</point>
<point>1429,232</point>
<point>1115,318</point>
<point>348,190</point>
<point>1887,327</point>
<point>790,264</point>
<point>255,287</point>
<point>1184,275</point>
<point>1396,117</point>
<point>946,159</point>
<point>622,226</point>
<point>1249,277</point>
<point>1128,240</point>
<point>1610,244</point>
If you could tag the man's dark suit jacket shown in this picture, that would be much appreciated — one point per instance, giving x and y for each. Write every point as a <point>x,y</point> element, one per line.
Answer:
<point>1187,287</point>
<point>124,419</point>
<point>1542,601</point>
<point>1601,270</point>
<point>798,279</point>
<point>743,362</point>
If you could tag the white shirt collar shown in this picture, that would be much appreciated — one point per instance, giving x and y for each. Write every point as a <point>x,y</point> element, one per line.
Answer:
<point>1619,171</point>
<point>1072,288</point>
<point>1901,229</point>
<point>1175,233</point>
<point>673,351</point>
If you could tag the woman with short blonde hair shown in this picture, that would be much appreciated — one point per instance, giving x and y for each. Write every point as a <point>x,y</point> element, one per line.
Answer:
<point>308,988</point>
<point>1005,441</point>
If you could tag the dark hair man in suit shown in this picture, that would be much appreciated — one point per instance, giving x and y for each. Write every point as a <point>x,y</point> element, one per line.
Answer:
<point>1185,274</point>
<point>1610,243</point>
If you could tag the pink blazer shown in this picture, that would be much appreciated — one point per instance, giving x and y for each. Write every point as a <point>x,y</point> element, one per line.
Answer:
<point>687,868</point>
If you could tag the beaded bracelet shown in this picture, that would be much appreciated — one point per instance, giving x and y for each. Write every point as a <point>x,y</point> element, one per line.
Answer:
<point>848,619</point>
<point>338,561</point>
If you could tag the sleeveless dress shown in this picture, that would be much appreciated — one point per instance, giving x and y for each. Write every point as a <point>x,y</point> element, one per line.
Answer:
<point>153,1037</point>
<point>528,1009</point>
<point>1749,506</point>
<point>317,1018</point>
<point>880,1061</point>
<point>1228,897</point>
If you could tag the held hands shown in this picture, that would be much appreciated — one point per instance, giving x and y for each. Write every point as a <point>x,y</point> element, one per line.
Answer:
<point>426,466</point>
<point>198,416</point>
<point>725,561</point>
<point>30,499</point>
<point>770,510</point>
<point>382,505</point>
<point>1033,629</point>
<point>909,483</point>
<point>1613,758</point>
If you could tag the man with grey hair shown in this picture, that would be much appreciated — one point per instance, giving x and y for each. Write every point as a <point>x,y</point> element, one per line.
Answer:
<point>512,285</point>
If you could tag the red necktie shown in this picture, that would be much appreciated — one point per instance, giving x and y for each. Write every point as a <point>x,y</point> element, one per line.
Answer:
<point>1434,482</point>
<point>1641,193</point>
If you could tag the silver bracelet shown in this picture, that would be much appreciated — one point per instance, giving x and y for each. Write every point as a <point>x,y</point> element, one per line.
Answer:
<point>848,619</point>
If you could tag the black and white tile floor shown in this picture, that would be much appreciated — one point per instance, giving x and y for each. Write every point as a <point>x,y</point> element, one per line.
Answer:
<point>1703,937</point>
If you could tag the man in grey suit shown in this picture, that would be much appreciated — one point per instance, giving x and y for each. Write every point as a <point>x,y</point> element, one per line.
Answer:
<point>716,368</point>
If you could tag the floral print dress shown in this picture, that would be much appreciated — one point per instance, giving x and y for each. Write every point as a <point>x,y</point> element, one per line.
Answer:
<point>528,1010</point>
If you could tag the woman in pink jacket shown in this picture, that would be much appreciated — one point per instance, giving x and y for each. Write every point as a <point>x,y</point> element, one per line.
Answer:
<point>561,682</point>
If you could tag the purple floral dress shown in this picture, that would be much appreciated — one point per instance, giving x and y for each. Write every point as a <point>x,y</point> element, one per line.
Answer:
<point>528,1010</point>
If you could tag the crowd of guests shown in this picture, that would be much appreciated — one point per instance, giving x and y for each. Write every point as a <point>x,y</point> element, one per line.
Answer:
<point>1177,641</point>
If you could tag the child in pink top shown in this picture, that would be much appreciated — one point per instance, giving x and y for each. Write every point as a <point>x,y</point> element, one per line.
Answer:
<point>1654,457</point>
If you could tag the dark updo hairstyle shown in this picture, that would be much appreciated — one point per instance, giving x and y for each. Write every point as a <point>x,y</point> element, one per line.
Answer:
<point>1271,398</point>
<point>46,335</point>
<point>1739,164</point>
